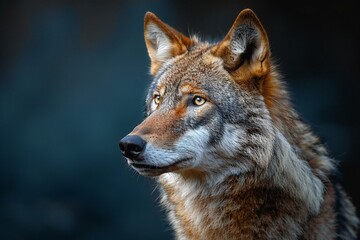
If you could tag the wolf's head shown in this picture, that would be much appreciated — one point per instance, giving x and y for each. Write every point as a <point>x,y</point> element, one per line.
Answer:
<point>209,105</point>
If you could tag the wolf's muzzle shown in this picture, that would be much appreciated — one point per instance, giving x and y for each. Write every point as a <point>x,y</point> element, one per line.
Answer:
<point>132,146</point>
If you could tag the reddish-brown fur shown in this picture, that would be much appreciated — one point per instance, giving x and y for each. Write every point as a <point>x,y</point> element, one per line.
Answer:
<point>287,194</point>
<point>159,123</point>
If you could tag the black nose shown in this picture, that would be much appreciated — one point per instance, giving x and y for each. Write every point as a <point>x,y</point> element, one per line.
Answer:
<point>131,146</point>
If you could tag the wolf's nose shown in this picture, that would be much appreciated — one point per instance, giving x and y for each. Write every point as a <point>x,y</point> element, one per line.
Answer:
<point>131,146</point>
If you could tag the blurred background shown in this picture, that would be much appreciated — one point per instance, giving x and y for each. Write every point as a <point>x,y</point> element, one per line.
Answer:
<point>73,77</point>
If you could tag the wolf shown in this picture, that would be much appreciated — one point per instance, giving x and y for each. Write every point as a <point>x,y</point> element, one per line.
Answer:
<point>233,158</point>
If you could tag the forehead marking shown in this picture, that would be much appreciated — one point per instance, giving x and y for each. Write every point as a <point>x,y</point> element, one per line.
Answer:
<point>181,67</point>
<point>187,88</point>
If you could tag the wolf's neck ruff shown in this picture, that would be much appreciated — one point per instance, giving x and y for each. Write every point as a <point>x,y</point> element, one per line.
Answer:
<point>288,180</point>
<point>233,158</point>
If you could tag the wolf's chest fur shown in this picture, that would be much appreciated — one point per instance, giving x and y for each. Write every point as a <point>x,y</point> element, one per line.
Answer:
<point>229,211</point>
<point>244,213</point>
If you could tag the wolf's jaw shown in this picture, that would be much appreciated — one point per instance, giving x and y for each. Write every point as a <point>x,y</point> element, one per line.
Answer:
<point>301,183</point>
<point>154,170</point>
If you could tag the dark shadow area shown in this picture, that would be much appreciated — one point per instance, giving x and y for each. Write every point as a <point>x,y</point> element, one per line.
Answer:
<point>73,77</point>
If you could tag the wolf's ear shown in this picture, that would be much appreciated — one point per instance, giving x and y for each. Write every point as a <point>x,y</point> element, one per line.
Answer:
<point>162,41</point>
<point>245,42</point>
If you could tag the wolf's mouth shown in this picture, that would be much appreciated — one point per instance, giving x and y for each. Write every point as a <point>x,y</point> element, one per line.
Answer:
<point>153,170</point>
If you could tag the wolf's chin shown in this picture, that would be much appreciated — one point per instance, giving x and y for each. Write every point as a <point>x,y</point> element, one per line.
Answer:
<point>150,170</point>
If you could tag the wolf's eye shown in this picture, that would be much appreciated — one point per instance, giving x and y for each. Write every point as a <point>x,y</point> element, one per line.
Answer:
<point>157,99</point>
<point>198,101</point>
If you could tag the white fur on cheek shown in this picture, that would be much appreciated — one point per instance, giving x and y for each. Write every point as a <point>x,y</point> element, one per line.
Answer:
<point>194,143</point>
<point>233,138</point>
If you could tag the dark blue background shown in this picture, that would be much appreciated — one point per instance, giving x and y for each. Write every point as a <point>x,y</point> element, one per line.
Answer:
<point>73,77</point>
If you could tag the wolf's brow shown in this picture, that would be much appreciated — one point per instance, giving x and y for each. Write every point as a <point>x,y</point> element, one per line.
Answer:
<point>161,72</point>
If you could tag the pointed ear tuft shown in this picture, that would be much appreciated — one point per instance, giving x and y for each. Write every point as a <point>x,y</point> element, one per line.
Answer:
<point>162,41</point>
<point>246,41</point>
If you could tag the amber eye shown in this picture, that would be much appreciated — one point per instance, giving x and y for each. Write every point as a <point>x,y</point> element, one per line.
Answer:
<point>157,99</point>
<point>198,101</point>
